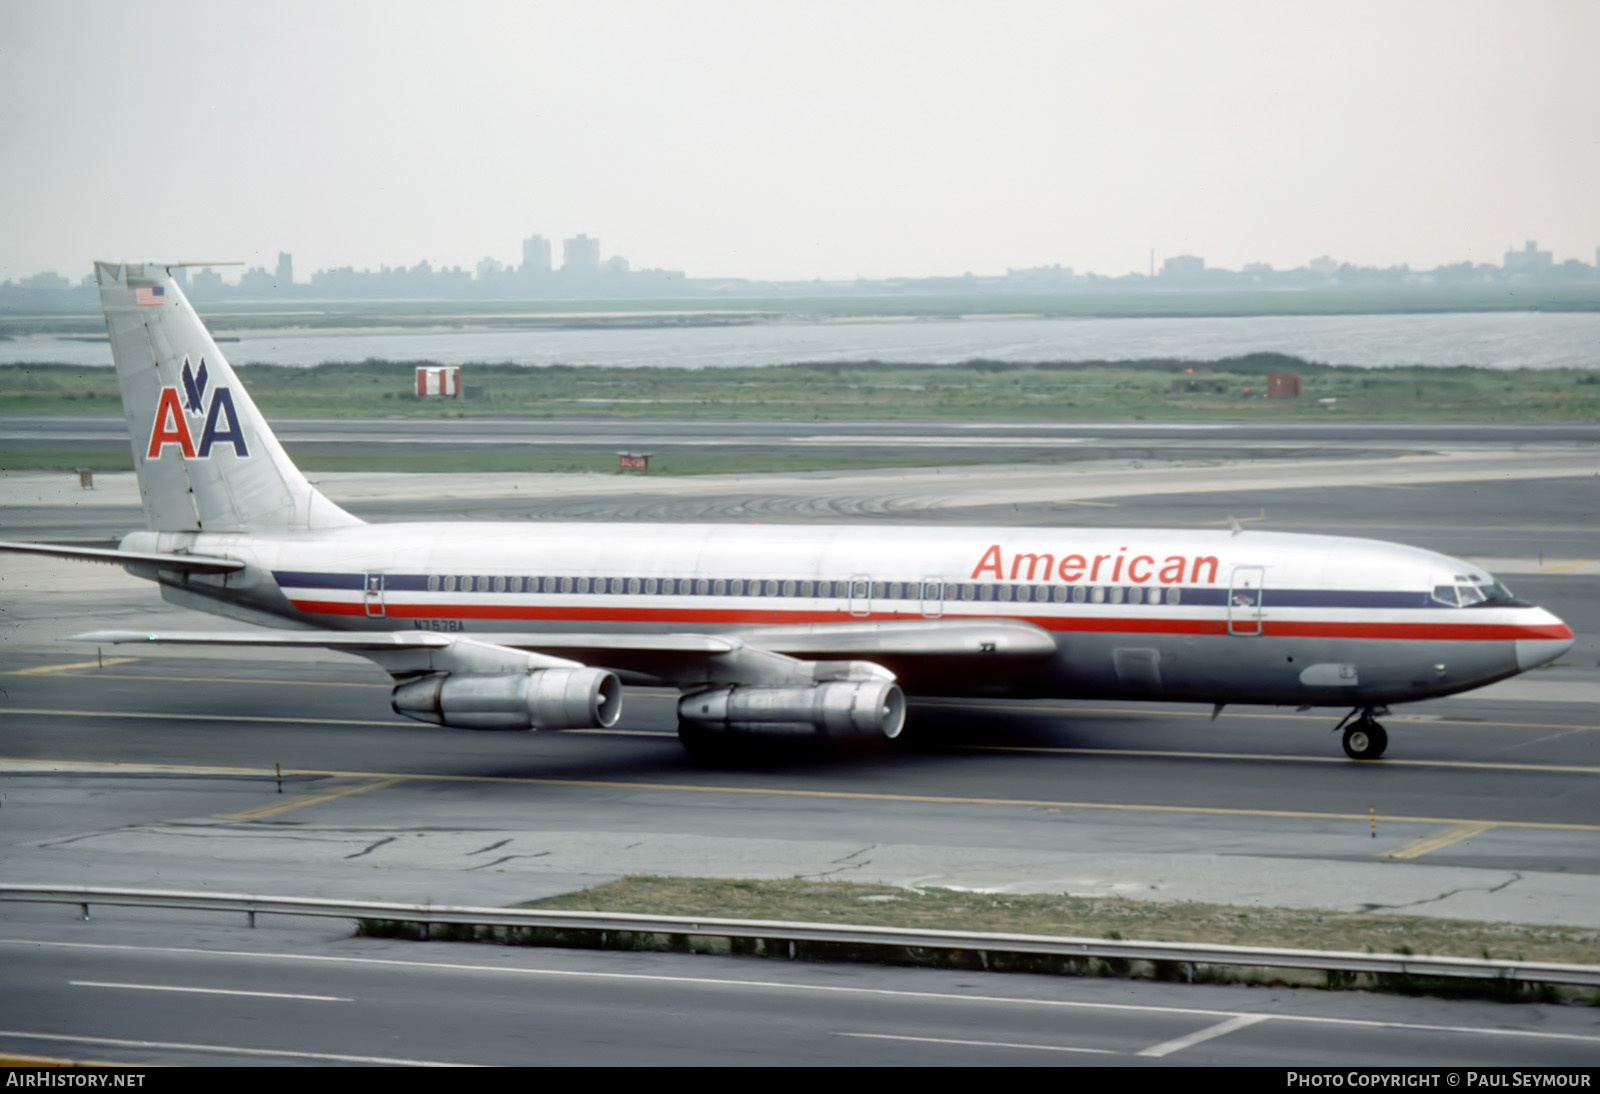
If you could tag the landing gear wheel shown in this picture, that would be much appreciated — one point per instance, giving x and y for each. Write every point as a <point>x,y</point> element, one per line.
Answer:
<point>1365,740</point>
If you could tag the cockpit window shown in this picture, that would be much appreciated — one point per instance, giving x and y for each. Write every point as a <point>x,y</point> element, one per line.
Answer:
<point>1494,592</point>
<point>1474,592</point>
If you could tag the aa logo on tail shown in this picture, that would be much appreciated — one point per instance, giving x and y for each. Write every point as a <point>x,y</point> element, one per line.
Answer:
<point>171,424</point>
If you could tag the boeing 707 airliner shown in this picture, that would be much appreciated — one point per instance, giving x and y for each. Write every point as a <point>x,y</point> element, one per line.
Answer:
<point>765,631</point>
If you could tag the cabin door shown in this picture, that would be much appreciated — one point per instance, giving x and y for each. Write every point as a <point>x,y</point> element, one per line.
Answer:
<point>374,596</point>
<point>1244,600</point>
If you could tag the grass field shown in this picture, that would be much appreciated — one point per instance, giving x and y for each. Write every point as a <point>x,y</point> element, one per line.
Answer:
<point>1082,917</point>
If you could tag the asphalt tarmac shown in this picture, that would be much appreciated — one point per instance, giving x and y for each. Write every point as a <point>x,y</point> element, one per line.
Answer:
<point>934,439</point>
<point>158,771</point>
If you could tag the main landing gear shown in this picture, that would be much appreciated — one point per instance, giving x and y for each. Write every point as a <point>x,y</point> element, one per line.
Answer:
<point>1364,738</point>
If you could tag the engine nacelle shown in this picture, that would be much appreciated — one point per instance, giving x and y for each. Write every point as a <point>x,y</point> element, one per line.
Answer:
<point>578,698</point>
<point>842,710</point>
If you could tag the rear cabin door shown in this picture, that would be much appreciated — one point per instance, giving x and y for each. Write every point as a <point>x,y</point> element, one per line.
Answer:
<point>1244,600</point>
<point>374,596</point>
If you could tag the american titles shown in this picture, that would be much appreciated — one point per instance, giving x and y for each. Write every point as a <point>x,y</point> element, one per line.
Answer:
<point>1109,568</point>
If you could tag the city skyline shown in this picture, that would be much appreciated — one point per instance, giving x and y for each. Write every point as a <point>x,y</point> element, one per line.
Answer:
<point>584,272</point>
<point>796,141</point>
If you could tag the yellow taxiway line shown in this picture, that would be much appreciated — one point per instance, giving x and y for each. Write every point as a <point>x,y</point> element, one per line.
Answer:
<point>304,800</point>
<point>1454,834</point>
<point>42,670</point>
<point>397,778</point>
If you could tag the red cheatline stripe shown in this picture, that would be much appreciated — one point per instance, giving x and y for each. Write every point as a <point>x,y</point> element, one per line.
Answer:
<point>1447,632</point>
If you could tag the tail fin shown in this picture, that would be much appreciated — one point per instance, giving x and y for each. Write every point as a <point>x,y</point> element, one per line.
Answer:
<point>206,459</point>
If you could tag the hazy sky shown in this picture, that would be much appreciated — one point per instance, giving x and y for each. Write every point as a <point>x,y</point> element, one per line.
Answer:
<point>797,140</point>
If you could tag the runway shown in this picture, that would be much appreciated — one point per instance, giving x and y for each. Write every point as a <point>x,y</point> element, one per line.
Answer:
<point>158,771</point>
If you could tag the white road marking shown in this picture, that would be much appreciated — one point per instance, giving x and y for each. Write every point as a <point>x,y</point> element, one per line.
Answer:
<point>1167,1048</point>
<point>232,1050</point>
<point>209,991</point>
<point>978,1044</point>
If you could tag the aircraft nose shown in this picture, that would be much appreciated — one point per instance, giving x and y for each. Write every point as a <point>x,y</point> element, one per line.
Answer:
<point>1554,638</point>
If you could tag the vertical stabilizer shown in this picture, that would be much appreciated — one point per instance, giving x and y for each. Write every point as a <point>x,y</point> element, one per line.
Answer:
<point>207,460</point>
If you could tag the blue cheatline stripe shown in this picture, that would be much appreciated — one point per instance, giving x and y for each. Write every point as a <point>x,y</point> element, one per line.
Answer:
<point>305,579</point>
<point>911,590</point>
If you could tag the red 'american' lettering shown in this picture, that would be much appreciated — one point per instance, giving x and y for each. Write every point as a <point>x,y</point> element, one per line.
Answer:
<point>1109,568</point>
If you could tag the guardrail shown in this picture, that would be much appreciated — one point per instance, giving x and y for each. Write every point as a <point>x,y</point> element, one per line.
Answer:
<point>981,944</point>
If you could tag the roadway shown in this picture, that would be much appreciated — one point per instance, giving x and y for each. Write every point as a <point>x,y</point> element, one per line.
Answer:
<point>120,990</point>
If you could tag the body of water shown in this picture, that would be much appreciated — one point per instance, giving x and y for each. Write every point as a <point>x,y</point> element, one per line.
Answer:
<point>1482,339</point>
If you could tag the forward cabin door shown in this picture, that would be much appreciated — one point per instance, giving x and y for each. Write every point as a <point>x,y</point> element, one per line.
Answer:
<point>1244,600</point>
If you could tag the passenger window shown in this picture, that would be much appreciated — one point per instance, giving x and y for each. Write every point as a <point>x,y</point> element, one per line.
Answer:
<point>500,584</point>
<point>1116,594</point>
<point>1174,594</point>
<point>1097,595</point>
<point>1079,594</point>
<point>985,592</point>
<point>433,583</point>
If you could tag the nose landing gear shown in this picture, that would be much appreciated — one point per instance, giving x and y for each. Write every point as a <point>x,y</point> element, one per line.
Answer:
<point>1364,738</point>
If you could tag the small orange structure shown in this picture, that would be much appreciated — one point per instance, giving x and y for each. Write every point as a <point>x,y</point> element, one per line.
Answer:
<point>1283,385</point>
<point>633,461</point>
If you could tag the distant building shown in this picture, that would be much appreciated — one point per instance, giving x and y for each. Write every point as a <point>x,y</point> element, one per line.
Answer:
<point>207,281</point>
<point>580,255</point>
<point>285,269</point>
<point>535,256</point>
<point>1529,260</point>
<point>1183,267</point>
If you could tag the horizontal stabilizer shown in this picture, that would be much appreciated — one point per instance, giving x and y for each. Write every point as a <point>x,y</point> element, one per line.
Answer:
<point>191,564</point>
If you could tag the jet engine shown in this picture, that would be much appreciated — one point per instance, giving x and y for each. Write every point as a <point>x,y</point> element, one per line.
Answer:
<point>557,698</point>
<point>840,710</point>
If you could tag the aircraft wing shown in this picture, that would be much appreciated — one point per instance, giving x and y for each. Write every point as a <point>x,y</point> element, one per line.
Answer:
<point>685,660</point>
<point>193,564</point>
